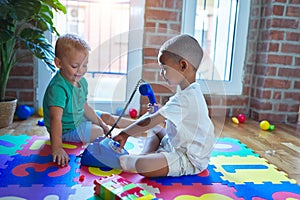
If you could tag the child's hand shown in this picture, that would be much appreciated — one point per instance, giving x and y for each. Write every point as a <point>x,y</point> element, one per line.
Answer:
<point>60,157</point>
<point>121,138</point>
<point>152,108</point>
<point>105,128</point>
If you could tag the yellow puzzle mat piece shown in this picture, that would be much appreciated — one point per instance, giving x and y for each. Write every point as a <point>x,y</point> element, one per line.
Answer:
<point>248,169</point>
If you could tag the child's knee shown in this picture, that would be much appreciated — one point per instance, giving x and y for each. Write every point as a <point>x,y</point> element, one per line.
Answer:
<point>96,131</point>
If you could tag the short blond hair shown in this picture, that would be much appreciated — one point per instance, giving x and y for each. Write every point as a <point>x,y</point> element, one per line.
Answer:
<point>69,41</point>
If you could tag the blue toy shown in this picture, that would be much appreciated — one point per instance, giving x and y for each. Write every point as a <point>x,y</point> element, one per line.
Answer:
<point>119,111</point>
<point>146,90</point>
<point>104,152</point>
<point>24,111</point>
<point>41,122</point>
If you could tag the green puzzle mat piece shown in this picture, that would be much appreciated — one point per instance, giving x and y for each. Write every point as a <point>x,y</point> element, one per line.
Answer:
<point>231,147</point>
<point>9,144</point>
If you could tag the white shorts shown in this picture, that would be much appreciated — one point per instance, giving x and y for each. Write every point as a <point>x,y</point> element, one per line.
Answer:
<point>178,162</point>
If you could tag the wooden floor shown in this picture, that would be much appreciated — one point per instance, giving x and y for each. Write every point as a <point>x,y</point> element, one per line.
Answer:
<point>280,147</point>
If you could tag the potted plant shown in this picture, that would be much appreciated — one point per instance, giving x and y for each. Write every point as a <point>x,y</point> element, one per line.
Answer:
<point>22,25</point>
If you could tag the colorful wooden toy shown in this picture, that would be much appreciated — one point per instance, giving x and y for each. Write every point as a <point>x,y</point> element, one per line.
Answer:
<point>117,187</point>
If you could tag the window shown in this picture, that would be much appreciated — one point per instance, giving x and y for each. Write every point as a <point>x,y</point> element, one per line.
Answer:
<point>113,28</point>
<point>221,27</point>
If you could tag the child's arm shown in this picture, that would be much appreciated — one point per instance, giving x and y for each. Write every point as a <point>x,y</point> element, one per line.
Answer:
<point>91,115</point>
<point>138,127</point>
<point>111,119</point>
<point>58,153</point>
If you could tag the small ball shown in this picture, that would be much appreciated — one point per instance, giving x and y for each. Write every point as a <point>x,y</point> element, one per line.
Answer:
<point>119,111</point>
<point>133,113</point>
<point>24,111</point>
<point>41,112</point>
<point>235,120</point>
<point>272,127</point>
<point>264,125</point>
<point>241,118</point>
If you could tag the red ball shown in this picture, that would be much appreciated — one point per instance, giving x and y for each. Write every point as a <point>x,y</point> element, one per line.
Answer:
<point>241,118</point>
<point>133,113</point>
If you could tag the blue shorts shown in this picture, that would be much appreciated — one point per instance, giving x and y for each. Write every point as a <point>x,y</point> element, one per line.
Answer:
<point>82,133</point>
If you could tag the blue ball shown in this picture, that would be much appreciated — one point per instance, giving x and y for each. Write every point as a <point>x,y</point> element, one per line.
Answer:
<point>24,111</point>
<point>119,111</point>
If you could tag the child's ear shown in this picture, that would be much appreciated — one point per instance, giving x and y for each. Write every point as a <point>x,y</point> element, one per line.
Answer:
<point>183,64</point>
<point>57,62</point>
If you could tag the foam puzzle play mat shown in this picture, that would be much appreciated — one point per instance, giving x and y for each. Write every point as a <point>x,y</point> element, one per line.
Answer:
<point>234,172</point>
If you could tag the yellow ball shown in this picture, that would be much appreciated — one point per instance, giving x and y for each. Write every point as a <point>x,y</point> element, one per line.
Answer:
<point>235,120</point>
<point>264,125</point>
<point>41,112</point>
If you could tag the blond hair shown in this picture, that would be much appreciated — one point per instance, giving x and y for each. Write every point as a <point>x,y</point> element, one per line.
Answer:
<point>69,41</point>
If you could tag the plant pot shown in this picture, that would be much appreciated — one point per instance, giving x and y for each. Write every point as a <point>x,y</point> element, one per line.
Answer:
<point>7,111</point>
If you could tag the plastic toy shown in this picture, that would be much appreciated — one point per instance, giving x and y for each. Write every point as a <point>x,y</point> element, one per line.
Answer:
<point>265,125</point>
<point>41,112</point>
<point>81,178</point>
<point>146,90</point>
<point>119,110</point>
<point>133,113</point>
<point>105,152</point>
<point>241,118</point>
<point>117,187</point>
<point>272,127</point>
<point>40,122</point>
<point>235,120</point>
<point>24,111</point>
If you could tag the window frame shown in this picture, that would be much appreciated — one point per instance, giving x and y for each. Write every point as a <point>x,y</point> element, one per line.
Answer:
<point>134,64</point>
<point>235,85</point>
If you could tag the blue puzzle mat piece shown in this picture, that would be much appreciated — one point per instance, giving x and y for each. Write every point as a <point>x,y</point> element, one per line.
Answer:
<point>268,190</point>
<point>204,178</point>
<point>35,169</point>
<point>4,159</point>
<point>233,168</point>
<point>36,192</point>
<point>9,144</point>
<point>231,147</point>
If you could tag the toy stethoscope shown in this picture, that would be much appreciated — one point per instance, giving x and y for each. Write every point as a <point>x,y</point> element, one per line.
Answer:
<point>104,152</point>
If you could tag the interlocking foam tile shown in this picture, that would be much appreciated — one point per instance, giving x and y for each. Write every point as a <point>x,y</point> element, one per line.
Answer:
<point>3,160</point>
<point>207,177</point>
<point>197,191</point>
<point>231,147</point>
<point>9,144</point>
<point>240,170</point>
<point>41,145</point>
<point>134,145</point>
<point>285,190</point>
<point>235,172</point>
<point>36,192</point>
<point>82,192</point>
<point>36,169</point>
<point>92,173</point>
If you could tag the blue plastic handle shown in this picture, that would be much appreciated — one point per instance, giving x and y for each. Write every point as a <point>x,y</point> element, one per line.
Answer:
<point>146,90</point>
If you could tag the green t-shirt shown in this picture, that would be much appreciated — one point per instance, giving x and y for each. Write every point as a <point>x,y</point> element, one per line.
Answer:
<point>72,99</point>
